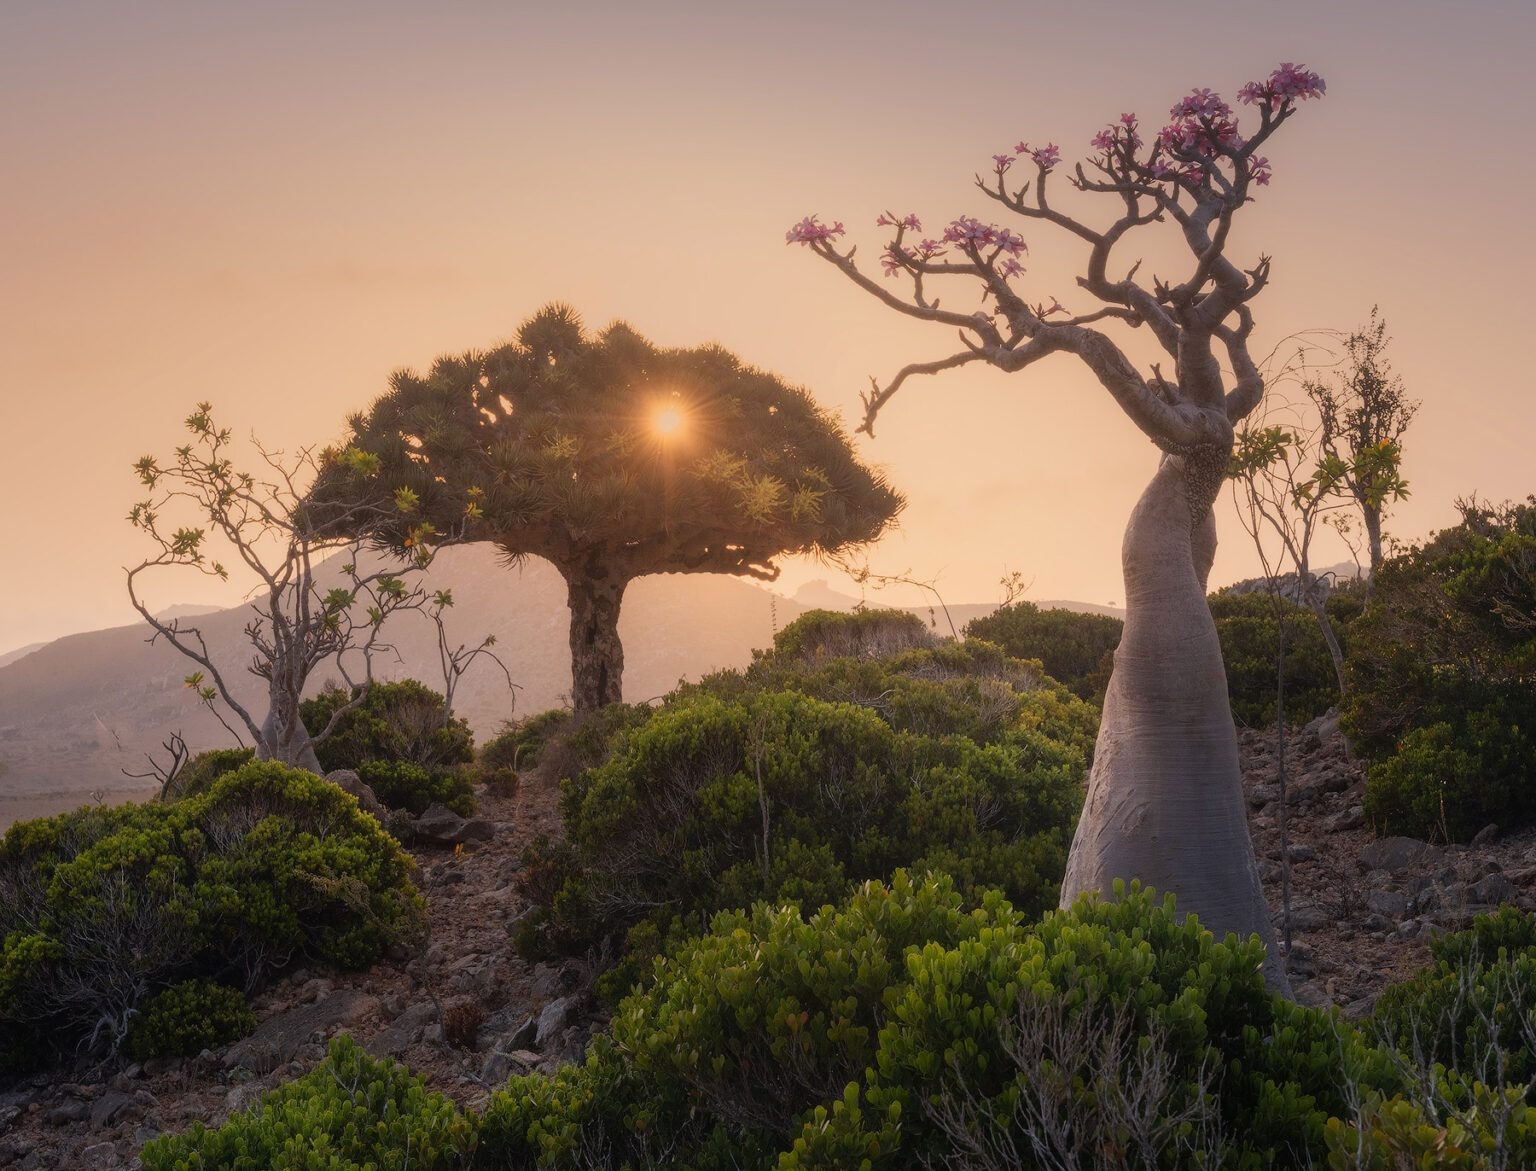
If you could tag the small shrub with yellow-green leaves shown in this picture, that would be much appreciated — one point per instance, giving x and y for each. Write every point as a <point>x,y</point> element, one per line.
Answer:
<point>352,1112</point>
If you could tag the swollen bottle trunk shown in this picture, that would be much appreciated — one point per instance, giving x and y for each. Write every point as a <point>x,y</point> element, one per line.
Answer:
<point>1165,801</point>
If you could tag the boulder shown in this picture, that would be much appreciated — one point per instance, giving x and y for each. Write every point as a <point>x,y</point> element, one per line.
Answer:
<point>349,782</point>
<point>403,1032</point>
<point>1492,890</point>
<point>278,1039</point>
<point>552,1019</point>
<point>1395,854</point>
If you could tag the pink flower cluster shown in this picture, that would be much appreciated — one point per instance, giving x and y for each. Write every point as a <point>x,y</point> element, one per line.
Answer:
<point>968,231</point>
<point>1289,83</point>
<point>1046,157</point>
<point>1106,139</point>
<point>896,259</point>
<point>887,220</point>
<point>810,229</point>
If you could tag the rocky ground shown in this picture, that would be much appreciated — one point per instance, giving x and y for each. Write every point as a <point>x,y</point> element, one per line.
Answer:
<point>467,1012</point>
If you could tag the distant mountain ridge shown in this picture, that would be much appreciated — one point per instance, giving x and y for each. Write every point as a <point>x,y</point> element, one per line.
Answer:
<point>75,712</point>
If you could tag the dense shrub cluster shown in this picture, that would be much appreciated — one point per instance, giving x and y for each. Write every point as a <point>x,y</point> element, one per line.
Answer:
<point>401,721</point>
<point>351,1113</point>
<point>797,779</point>
<point>1248,625</point>
<point>899,1029</point>
<point>187,1018</point>
<point>1442,670</point>
<point>818,635</point>
<point>100,909</point>
<point>412,787</point>
<point>1077,650</point>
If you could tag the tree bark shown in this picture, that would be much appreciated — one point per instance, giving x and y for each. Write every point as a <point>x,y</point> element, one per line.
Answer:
<point>597,656</point>
<point>1165,800</point>
<point>287,741</point>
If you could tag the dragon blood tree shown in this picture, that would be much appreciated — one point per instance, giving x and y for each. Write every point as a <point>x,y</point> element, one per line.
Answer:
<point>1164,799</point>
<point>613,458</point>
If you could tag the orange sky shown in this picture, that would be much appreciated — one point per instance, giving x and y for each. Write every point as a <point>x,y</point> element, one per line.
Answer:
<point>272,206</point>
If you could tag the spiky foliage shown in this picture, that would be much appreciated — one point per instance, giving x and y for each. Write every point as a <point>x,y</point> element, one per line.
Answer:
<point>614,458</point>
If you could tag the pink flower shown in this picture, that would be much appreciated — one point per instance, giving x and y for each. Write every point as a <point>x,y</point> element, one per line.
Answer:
<point>971,232</point>
<point>1011,268</point>
<point>1128,121</point>
<point>1202,103</point>
<point>1289,83</point>
<point>928,249</point>
<point>893,261</point>
<point>1056,307</point>
<point>1045,158</point>
<point>1010,242</point>
<point>1104,139</point>
<point>810,229</point>
<point>1261,171</point>
<point>887,220</point>
<point>1003,162</point>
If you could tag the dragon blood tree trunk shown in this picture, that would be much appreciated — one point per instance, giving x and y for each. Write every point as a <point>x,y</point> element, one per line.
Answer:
<point>1165,800</point>
<point>597,656</point>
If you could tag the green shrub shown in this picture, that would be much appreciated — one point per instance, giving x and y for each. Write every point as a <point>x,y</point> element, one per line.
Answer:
<point>897,1030</point>
<point>1441,669</point>
<point>187,1018</point>
<point>199,773</point>
<point>1077,650</point>
<point>402,721</point>
<point>818,635</point>
<point>519,745</point>
<point>350,1113</point>
<point>101,908</point>
<point>1248,625</point>
<point>1398,1132</point>
<point>1474,1010</point>
<point>712,804</point>
<point>1447,781</point>
<point>412,787</point>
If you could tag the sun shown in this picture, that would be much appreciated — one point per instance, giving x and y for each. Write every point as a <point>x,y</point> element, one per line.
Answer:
<point>668,420</point>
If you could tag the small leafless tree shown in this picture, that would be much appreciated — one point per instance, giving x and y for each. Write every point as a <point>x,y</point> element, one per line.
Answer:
<point>280,533</point>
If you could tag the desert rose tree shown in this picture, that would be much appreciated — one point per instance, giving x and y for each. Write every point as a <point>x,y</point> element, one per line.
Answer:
<point>612,459</point>
<point>1164,799</point>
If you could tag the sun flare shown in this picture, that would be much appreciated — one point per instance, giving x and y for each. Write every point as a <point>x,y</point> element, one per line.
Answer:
<point>668,421</point>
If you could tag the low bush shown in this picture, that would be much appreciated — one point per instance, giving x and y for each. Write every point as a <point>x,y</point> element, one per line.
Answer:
<point>818,635</point>
<point>199,773</point>
<point>352,1112</point>
<point>1474,1010</point>
<point>520,744</point>
<point>187,1018</point>
<point>1077,650</point>
<point>898,1030</point>
<point>401,721</point>
<point>412,787</point>
<point>1248,625</point>
<point>100,909</point>
<point>714,803</point>
<point>1441,671</point>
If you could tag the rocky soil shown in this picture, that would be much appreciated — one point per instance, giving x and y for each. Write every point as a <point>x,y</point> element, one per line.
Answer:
<point>468,1011</point>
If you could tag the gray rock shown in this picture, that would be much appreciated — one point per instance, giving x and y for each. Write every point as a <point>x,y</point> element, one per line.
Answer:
<point>438,824</point>
<point>403,1032</point>
<point>476,829</point>
<point>1350,817</point>
<point>552,1019</point>
<point>1391,904</point>
<point>278,1039</point>
<point>1306,918</point>
<point>1492,890</point>
<point>525,1036</point>
<point>1301,960</point>
<point>110,1107</point>
<point>1302,853</point>
<point>1485,835</point>
<point>8,1115</point>
<point>74,1110</point>
<point>1394,854</point>
<point>349,782</point>
<point>98,1155</point>
<point>242,1097</point>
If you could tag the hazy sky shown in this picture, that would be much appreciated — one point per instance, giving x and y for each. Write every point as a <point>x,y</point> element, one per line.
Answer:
<point>272,206</point>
